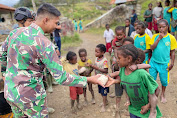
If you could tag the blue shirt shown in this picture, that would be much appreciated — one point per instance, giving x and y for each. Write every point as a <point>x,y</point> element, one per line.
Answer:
<point>161,54</point>
<point>166,15</point>
<point>142,42</point>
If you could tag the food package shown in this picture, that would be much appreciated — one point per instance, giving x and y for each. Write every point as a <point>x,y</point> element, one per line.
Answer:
<point>103,79</point>
<point>82,70</point>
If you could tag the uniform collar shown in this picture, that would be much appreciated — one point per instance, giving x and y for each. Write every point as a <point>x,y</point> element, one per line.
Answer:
<point>142,35</point>
<point>35,26</point>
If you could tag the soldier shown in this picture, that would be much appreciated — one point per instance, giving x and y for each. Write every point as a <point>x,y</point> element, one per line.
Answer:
<point>28,52</point>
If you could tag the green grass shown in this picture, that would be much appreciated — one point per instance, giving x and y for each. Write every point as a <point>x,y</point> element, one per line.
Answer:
<point>101,30</point>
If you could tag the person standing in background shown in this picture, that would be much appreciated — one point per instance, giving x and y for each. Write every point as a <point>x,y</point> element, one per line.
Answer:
<point>148,16</point>
<point>133,17</point>
<point>57,36</point>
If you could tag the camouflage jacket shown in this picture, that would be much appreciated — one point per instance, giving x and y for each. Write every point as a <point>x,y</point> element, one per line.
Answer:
<point>26,52</point>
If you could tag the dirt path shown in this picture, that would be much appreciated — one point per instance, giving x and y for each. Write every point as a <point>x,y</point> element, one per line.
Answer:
<point>60,99</point>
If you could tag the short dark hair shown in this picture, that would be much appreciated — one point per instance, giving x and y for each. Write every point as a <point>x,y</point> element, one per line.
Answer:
<point>106,25</point>
<point>163,21</point>
<point>70,55</point>
<point>167,1</point>
<point>129,50</point>
<point>49,9</point>
<point>120,28</point>
<point>141,55</point>
<point>149,4</point>
<point>82,50</point>
<point>142,24</point>
<point>130,39</point>
<point>127,19</point>
<point>102,47</point>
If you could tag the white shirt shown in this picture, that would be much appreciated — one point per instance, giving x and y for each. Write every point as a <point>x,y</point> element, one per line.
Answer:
<point>157,11</point>
<point>147,31</point>
<point>133,34</point>
<point>109,35</point>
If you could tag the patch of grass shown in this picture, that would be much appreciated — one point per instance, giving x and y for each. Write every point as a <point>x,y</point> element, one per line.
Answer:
<point>102,29</point>
<point>69,42</point>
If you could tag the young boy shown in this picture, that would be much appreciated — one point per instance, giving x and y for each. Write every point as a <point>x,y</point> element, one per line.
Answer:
<point>82,63</point>
<point>134,33</point>
<point>142,40</point>
<point>108,35</point>
<point>162,45</point>
<point>101,67</point>
<point>70,65</point>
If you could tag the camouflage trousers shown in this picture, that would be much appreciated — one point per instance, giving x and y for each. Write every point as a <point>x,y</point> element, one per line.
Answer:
<point>36,109</point>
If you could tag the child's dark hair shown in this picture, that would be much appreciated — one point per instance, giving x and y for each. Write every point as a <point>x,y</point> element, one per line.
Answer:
<point>82,50</point>
<point>167,1</point>
<point>127,19</point>
<point>141,55</point>
<point>137,21</point>
<point>102,47</point>
<point>149,4</point>
<point>129,50</point>
<point>130,39</point>
<point>142,24</point>
<point>120,28</point>
<point>163,21</point>
<point>70,55</point>
<point>106,25</point>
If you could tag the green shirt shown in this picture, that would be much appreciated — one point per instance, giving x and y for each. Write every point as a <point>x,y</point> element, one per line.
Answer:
<point>147,13</point>
<point>137,85</point>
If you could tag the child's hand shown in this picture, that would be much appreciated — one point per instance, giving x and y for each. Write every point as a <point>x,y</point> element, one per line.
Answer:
<point>88,65</point>
<point>133,67</point>
<point>145,108</point>
<point>161,35</point>
<point>170,67</point>
<point>94,80</point>
<point>127,103</point>
<point>111,81</point>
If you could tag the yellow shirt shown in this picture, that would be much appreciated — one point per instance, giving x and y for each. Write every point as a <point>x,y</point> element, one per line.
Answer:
<point>82,64</point>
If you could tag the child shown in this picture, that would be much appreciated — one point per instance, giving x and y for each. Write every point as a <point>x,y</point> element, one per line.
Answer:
<point>128,40</point>
<point>162,45</point>
<point>147,31</point>
<point>82,63</point>
<point>80,25</point>
<point>173,10</point>
<point>142,40</point>
<point>137,84</point>
<point>108,35</point>
<point>101,67</point>
<point>71,67</point>
<point>75,25</point>
<point>134,33</point>
<point>166,14</point>
<point>148,16</point>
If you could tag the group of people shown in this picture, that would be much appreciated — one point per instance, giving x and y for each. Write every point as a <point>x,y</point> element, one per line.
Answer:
<point>26,53</point>
<point>78,24</point>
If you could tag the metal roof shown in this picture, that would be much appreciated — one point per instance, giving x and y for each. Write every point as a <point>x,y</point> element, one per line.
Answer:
<point>6,9</point>
<point>120,1</point>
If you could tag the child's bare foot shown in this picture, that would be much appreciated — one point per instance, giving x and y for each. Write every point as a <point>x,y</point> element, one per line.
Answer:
<point>79,107</point>
<point>163,99</point>
<point>101,104</point>
<point>73,111</point>
<point>85,103</point>
<point>103,109</point>
<point>127,103</point>
<point>153,114</point>
<point>93,101</point>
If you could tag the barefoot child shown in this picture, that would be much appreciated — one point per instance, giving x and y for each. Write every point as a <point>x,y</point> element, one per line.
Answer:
<point>142,40</point>
<point>162,45</point>
<point>82,63</point>
<point>71,67</point>
<point>101,67</point>
<point>137,84</point>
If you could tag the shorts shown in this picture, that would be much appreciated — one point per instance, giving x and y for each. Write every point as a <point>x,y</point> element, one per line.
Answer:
<point>118,90</point>
<point>74,91</point>
<point>103,91</point>
<point>149,25</point>
<point>162,70</point>
<point>173,29</point>
<point>133,116</point>
<point>35,109</point>
<point>108,45</point>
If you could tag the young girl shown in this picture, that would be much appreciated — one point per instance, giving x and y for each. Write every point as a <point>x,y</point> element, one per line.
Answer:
<point>101,67</point>
<point>71,67</point>
<point>148,16</point>
<point>142,40</point>
<point>82,63</point>
<point>137,84</point>
<point>80,25</point>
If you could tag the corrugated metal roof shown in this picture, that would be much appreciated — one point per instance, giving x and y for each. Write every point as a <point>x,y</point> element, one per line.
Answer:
<point>6,9</point>
<point>120,1</point>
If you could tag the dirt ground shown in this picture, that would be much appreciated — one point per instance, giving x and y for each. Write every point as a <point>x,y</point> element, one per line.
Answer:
<point>60,99</point>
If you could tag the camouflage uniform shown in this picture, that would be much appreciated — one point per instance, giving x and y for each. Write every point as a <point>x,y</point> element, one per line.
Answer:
<point>28,53</point>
